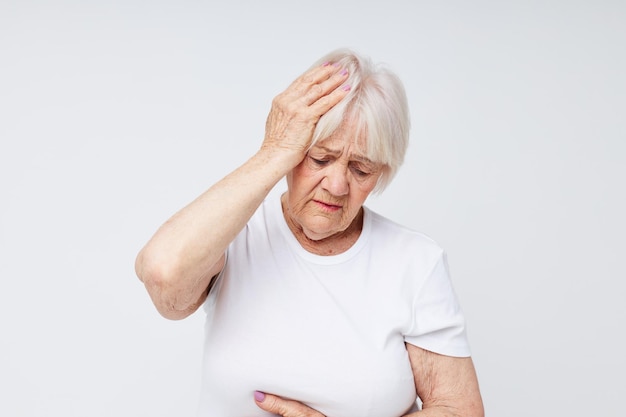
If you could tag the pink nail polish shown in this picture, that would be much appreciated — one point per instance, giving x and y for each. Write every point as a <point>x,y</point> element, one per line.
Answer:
<point>346,87</point>
<point>325,64</point>
<point>344,72</point>
<point>259,396</point>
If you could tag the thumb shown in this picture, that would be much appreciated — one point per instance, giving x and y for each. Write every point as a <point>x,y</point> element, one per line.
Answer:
<point>282,407</point>
<point>269,402</point>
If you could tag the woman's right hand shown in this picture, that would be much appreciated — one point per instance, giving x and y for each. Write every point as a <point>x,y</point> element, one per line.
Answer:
<point>295,112</point>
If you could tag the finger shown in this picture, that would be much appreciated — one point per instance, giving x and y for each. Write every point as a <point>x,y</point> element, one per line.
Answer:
<point>318,99</point>
<point>328,101</point>
<point>313,76</point>
<point>282,407</point>
<point>314,84</point>
<point>324,88</point>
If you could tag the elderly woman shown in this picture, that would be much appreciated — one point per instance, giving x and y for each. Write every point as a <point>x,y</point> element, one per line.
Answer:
<point>316,305</point>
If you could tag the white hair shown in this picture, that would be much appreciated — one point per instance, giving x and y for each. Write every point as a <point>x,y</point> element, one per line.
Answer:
<point>377,105</point>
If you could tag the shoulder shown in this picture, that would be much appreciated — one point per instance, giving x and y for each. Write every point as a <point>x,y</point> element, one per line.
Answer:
<point>388,233</point>
<point>263,229</point>
<point>269,209</point>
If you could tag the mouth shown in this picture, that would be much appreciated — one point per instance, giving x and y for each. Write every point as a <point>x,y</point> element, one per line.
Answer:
<point>327,206</point>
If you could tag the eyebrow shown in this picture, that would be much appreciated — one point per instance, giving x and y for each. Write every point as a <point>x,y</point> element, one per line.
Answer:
<point>356,157</point>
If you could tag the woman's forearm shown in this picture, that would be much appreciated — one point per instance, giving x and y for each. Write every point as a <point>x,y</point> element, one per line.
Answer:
<point>177,264</point>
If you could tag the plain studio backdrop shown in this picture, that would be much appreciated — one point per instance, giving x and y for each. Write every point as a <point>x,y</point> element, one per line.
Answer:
<point>115,114</point>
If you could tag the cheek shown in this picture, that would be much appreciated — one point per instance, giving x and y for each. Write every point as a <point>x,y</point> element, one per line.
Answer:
<point>368,185</point>
<point>364,188</point>
<point>294,180</point>
<point>305,179</point>
<point>358,198</point>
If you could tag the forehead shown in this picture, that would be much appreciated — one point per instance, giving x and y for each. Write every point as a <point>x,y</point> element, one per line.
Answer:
<point>342,147</point>
<point>346,139</point>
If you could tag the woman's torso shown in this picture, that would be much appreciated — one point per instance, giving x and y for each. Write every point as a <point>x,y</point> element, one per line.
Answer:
<point>326,331</point>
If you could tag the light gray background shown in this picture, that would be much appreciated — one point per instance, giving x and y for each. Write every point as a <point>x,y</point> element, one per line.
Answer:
<point>114,114</point>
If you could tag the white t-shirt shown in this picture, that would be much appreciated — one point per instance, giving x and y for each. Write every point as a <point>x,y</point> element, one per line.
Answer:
<point>328,331</point>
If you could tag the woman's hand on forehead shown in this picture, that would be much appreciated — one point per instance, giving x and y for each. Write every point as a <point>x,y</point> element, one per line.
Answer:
<point>295,112</point>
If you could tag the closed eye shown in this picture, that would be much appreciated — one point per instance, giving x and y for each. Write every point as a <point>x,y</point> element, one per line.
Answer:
<point>360,172</point>
<point>320,162</point>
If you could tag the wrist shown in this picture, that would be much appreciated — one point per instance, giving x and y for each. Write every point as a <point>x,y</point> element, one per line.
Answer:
<point>281,159</point>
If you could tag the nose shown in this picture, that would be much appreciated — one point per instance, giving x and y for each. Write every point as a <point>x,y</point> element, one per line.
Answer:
<point>336,180</point>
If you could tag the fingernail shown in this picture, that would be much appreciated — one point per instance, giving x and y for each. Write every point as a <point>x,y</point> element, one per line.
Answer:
<point>325,64</point>
<point>346,87</point>
<point>343,72</point>
<point>259,396</point>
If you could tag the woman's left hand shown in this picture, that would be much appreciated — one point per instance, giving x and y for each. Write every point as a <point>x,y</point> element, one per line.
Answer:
<point>283,407</point>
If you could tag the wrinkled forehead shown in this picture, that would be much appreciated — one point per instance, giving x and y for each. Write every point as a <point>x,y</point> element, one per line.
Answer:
<point>345,143</point>
<point>350,136</point>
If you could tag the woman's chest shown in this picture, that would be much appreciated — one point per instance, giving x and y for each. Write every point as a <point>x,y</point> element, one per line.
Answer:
<point>332,351</point>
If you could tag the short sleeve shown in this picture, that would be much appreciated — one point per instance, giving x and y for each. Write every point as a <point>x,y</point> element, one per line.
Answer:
<point>438,323</point>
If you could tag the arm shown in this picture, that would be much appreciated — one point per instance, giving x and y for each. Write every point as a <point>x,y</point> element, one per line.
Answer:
<point>187,251</point>
<point>447,386</point>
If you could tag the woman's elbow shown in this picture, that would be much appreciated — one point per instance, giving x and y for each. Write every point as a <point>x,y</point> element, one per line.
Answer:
<point>169,300</point>
<point>164,287</point>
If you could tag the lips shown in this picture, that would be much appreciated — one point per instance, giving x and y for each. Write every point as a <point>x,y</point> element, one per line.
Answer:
<point>328,206</point>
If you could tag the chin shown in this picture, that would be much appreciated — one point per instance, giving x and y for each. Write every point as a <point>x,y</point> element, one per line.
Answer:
<point>318,233</point>
<point>321,233</point>
<point>316,236</point>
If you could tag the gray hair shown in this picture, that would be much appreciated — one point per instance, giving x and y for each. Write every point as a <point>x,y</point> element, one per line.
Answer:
<point>377,104</point>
